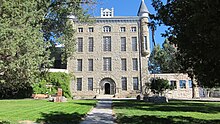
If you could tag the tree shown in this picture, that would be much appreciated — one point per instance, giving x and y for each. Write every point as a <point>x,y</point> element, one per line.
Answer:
<point>194,28</point>
<point>57,25</point>
<point>164,60</point>
<point>23,37</point>
<point>22,49</point>
<point>158,86</point>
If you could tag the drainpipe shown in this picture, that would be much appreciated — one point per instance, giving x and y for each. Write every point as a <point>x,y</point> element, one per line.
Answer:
<point>139,59</point>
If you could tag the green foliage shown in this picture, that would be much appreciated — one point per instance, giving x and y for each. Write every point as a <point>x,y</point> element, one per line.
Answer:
<point>158,85</point>
<point>164,60</point>
<point>194,28</point>
<point>25,32</point>
<point>58,23</point>
<point>52,82</point>
<point>22,49</point>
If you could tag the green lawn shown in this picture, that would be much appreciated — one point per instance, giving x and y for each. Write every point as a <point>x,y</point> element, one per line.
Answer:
<point>174,112</point>
<point>69,112</point>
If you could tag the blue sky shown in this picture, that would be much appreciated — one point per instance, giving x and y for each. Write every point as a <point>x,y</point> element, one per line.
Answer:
<point>128,8</point>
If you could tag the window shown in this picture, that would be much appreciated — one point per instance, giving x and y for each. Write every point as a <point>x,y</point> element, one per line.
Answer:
<point>91,44</point>
<point>90,84</point>
<point>134,43</point>
<point>106,29</point>
<point>122,29</point>
<point>182,84</point>
<point>79,84</point>
<point>91,29</point>
<point>135,83</point>
<point>107,64</point>
<point>145,41</point>
<point>133,29</point>
<point>90,65</point>
<point>80,29</point>
<point>124,83</point>
<point>106,43</point>
<point>79,64</point>
<point>123,65</point>
<point>135,64</point>
<point>80,45</point>
<point>190,83</point>
<point>173,84</point>
<point>123,43</point>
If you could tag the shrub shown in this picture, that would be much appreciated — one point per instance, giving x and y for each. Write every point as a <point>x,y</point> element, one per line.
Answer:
<point>158,86</point>
<point>51,82</point>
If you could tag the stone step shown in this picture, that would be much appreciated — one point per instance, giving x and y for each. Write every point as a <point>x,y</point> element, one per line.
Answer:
<point>104,96</point>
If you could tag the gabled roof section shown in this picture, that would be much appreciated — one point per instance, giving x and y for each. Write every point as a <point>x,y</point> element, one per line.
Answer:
<point>142,8</point>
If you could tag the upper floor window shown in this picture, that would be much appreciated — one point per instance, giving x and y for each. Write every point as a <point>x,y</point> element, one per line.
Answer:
<point>122,29</point>
<point>107,64</point>
<point>106,43</point>
<point>134,43</point>
<point>106,29</point>
<point>79,64</point>
<point>80,45</point>
<point>91,44</point>
<point>173,84</point>
<point>133,29</point>
<point>123,65</point>
<point>80,29</point>
<point>91,29</point>
<point>135,64</point>
<point>90,64</point>
<point>145,41</point>
<point>123,43</point>
<point>182,84</point>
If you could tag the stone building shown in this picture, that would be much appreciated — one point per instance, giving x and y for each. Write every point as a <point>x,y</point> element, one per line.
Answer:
<point>111,55</point>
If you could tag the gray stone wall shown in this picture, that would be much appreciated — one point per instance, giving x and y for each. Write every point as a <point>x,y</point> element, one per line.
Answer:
<point>116,54</point>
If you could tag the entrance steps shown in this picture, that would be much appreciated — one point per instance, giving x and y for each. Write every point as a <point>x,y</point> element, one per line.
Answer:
<point>104,96</point>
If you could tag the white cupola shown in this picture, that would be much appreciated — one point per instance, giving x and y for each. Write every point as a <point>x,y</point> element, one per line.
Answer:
<point>107,13</point>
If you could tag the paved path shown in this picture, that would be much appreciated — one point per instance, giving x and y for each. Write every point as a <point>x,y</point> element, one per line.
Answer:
<point>101,114</point>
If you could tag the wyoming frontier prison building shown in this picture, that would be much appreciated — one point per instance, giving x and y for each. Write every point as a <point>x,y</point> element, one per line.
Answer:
<point>112,58</point>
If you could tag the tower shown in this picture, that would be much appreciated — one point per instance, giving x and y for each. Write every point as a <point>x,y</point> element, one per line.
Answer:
<point>144,44</point>
<point>143,14</point>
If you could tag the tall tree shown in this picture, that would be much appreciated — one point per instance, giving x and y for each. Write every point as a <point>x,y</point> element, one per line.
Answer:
<point>23,38</point>
<point>164,60</point>
<point>194,27</point>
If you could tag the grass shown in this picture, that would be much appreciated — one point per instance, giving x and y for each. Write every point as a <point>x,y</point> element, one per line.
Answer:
<point>70,112</point>
<point>174,112</point>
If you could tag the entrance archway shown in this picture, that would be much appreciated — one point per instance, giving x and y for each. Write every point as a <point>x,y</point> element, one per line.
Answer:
<point>107,86</point>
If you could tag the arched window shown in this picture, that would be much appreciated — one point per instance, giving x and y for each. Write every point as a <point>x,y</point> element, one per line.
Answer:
<point>106,29</point>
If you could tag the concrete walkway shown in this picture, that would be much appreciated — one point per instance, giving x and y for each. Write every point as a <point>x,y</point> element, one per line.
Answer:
<point>101,114</point>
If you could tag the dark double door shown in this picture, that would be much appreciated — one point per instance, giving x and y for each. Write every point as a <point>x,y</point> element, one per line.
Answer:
<point>107,88</point>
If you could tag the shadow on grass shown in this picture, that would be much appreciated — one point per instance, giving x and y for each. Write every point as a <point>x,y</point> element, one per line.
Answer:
<point>146,119</point>
<point>181,106</point>
<point>60,118</point>
<point>86,104</point>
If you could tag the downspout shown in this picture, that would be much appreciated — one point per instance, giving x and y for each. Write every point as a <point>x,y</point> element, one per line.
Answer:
<point>139,59</point>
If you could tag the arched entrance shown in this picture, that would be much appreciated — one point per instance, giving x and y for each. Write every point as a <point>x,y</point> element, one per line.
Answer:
<point>107,86</point>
